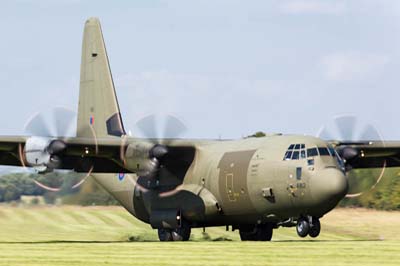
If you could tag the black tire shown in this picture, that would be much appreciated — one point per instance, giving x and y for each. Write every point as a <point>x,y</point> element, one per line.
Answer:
<point>303,227</point>
<point>165,234</point>
<point>315,229</point>
<point>247,236</point>
<point>262,232</point>
<point>182,233</point>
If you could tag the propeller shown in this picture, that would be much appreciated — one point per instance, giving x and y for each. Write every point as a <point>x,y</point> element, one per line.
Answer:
<point>348,129</point>
<point>158,133</point>
<point>43,149</point>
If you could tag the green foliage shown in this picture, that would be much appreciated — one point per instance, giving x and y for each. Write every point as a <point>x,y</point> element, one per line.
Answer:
<point>90,194</point>
<point>258,134</point>
<point>14,185</point>
<point>385,195</point>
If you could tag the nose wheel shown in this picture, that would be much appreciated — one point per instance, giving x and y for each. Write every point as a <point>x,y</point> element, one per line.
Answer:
<point>308,226</point>
<point>315,228</point>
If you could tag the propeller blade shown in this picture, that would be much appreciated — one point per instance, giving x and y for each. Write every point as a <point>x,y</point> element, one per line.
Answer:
<point>346,127</point>
<point>325,134</point>
<point>147,126</point>
<point>64,120</point>
<point>173,127</point>
<point>38,127</point>
<point>55,122</point>
<point>370,133</point>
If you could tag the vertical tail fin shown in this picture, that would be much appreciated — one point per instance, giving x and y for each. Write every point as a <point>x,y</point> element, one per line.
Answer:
<point>98,106</point>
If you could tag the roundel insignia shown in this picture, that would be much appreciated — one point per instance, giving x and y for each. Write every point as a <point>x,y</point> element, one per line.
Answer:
<point>121,176</point>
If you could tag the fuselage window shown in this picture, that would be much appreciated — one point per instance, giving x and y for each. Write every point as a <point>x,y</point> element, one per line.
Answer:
<point>312,152</point>
<point>323,151</point>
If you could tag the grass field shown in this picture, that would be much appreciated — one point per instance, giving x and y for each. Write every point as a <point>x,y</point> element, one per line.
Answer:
<point>110,236</point>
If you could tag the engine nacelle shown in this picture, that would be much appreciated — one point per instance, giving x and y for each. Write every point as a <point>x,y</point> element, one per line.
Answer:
<point>40,153</point>
<point>36,154</point>
<point>143,158</point>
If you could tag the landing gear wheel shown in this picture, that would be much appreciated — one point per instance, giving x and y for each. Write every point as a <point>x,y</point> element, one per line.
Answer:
<point>181,234</point>
<point>315,228</point>
<point>303,227</point>
<point>262,232</point>
<point>247,233</point>
<point>165,234</point>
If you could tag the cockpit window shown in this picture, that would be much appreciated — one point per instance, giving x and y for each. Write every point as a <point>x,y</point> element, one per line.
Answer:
<point>288,155</point>
<point>312,152</point>
<point>323,151</point>
<point>332,151</point>
<point>295,152</point>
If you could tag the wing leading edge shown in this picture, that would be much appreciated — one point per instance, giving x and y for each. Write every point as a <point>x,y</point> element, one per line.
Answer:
<point>371,154</point>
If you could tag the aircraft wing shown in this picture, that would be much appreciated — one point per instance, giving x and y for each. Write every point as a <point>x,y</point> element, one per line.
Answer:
<point>79,154</point>
<point>103,155</point>
<point>369,154</point>
<point>9,150</point>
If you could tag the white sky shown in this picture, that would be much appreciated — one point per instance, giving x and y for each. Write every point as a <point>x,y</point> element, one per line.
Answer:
<point>227,68</point>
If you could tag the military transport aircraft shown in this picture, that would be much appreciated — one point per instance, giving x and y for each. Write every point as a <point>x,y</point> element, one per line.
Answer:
<point>253,185</point>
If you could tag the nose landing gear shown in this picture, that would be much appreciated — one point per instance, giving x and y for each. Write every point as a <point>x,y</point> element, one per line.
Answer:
<point>308,226</point>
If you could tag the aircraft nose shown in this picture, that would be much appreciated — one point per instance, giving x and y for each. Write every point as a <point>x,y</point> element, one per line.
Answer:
<point>329,184</point>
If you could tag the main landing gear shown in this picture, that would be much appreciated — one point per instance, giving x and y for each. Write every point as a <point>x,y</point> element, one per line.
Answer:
<point>178,234</point>
<point>308,226</point>
<point>259,232</point>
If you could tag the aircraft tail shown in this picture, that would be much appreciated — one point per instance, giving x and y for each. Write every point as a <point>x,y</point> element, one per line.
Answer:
<point>98,107</point>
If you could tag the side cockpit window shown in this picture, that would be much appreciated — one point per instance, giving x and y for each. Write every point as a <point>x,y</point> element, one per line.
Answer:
<point>320,151</point>
<point>323,151</point>
<point>295,152</point>
<point>312,152</point>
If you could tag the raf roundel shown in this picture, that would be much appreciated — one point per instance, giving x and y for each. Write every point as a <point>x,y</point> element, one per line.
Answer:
<point>121,176</point>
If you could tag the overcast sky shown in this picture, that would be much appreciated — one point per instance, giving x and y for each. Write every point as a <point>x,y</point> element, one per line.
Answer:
<point>226,68</point>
